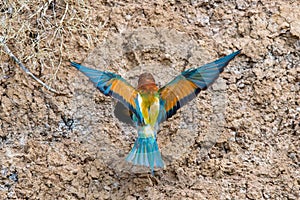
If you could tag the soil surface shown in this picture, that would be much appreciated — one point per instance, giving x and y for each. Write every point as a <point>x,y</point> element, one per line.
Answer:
<point>240,139</point>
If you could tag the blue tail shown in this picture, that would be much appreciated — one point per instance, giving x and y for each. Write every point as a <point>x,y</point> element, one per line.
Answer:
<point>145,152</point>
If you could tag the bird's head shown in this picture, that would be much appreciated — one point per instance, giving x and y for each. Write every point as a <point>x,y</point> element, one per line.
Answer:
<point>146,82</point>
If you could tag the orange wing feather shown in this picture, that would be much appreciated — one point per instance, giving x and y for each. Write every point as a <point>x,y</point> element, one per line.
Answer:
<point>173,94</point>
<point>123,90</point>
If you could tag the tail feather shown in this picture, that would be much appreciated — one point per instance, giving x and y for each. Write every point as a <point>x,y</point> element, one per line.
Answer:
<point>146,152</point>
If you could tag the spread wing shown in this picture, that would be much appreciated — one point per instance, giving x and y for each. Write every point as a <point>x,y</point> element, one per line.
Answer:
<point>189,83</point>
<point>114,85</point>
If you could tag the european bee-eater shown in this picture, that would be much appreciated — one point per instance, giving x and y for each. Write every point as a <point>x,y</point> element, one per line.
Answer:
<point>149,105</point>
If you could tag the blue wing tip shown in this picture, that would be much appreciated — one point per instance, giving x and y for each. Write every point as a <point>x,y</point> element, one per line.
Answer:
<point>74,64</point>
<point>226,59</point>
<point>237,52</point>
<point>232,55</point>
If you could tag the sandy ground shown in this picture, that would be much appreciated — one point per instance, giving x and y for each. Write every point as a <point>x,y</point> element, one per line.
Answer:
<point>237,140</point>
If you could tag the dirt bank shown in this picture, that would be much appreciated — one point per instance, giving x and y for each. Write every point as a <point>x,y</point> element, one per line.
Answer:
<point>237,140</point>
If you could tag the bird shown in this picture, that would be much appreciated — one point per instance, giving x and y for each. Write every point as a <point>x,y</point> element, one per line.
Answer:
<point>150,105</point>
